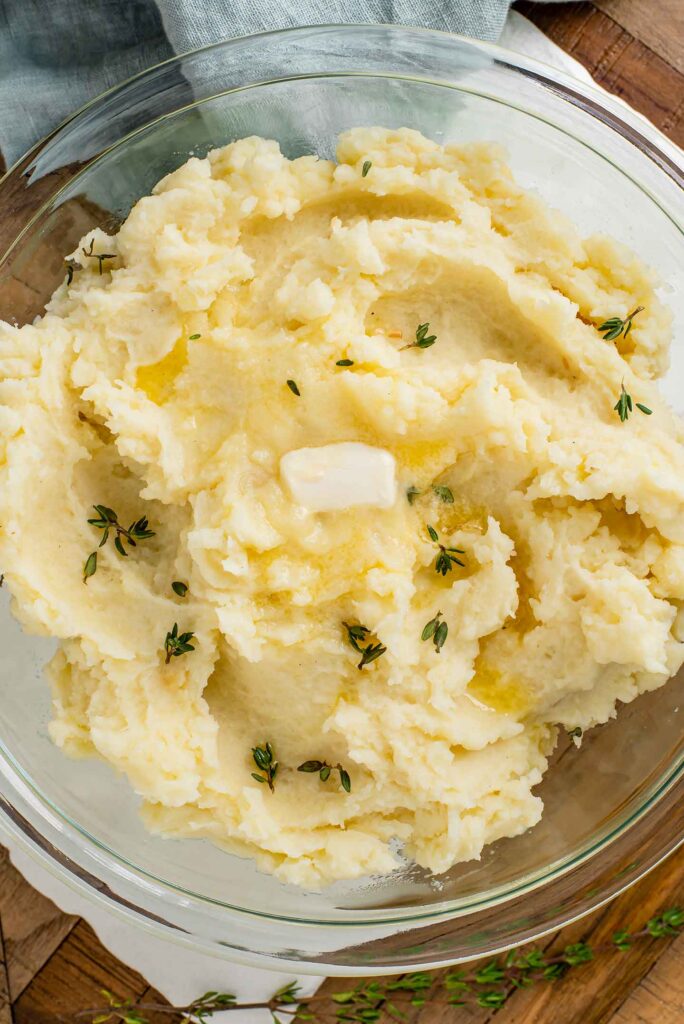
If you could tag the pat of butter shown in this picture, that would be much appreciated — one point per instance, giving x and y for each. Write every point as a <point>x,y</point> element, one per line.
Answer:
<point>339,476</point>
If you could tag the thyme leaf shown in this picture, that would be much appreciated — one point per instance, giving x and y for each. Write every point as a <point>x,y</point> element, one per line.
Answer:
<point>423,339</point>
<point>367,164</point>
<point>265,761</point>
<point>177,643</point>
<point>615,326</point>
<point>446,558</point>
<point>324,770</point>
<point>436,630</point>
<point>292,385</point>
<point>99,256</point>
<point>357,636</point>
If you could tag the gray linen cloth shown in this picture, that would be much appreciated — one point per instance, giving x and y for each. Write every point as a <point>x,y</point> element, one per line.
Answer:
<point>55,55</point>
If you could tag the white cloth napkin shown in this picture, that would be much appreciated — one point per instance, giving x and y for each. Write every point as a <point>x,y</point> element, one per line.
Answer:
<point>178,973</point>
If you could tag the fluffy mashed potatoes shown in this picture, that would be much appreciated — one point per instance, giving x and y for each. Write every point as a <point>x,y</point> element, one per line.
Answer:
<point>156,384</point>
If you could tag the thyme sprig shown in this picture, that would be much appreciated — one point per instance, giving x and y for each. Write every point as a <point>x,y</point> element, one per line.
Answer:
<point>107,520</point>
<point>436,630</point>
<point>264,759</point>
<point>488,986</point>
<point>446,558</point>
<point>358,635</point>
<point>325,769</point>
<point>177,643</point>
<point>99,256</point>
<point>624,406</point>
<point>423,339</point>
<point>615,326</point>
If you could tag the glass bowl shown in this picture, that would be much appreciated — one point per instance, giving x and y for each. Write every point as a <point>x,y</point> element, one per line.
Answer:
<point>613,808</point>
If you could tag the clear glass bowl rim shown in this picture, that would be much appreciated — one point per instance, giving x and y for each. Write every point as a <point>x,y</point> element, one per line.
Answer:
<point>634,128</point>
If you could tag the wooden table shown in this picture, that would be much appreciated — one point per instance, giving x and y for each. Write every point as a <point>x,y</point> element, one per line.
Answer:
<point>52,965</point>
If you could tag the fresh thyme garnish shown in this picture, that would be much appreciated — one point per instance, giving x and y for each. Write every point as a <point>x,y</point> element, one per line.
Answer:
<point>177,643</point>
<point>344,362</point>
<point>90,567</point>
<point>487,986</point>
<point>358,635</point>
<point>443,562</point>
<point>179,588</point>
<point>99,256</point>
<point>107,520</point>
<point>265,762</point>
<point>324,769</point>
<point>436,630</point>
<point>423,340</point>
<point>444,493</point>
<point>614,327</point>
<point>367,164</point>
<point>293,387</point>
<point>576,732</point>
<point>623,406</point>
<point>411,494</point>
<point>194,337</point>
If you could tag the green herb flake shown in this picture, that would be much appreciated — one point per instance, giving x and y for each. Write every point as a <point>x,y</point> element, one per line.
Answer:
<point>411,494</point>
<point>446,559</point>
<point>367,164</point>
<point>293,388</point>
<point>435,630</point>
<point>423,339</point>
<point>615,326</point>
<point>90,567</point>
<point>443,493</point>
<point>194,337</point>
<point>324,770</point>
<point>179,588</point>
<point>177,643</point>
<point>358,635</point>
<point>265,761</point>
<point>344,362</point>
<point>99,256</point>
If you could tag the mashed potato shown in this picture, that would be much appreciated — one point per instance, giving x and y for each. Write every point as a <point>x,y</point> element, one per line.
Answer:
<point>156,385</point>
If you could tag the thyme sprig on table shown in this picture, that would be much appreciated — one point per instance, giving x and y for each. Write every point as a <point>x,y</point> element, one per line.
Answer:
<point>177,643</point>
<point>358,635</point>
<point>615,326</point>
<point>446,558</point>
<point>325,769</point>
<point>99,256</point>
<point>423,339</point>
<point>108,521</point>
<point>264,759</point>
<point>624,406</point>
<point>488,986</point>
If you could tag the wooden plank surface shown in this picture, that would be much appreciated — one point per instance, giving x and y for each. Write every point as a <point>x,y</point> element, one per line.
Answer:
<point>623,48</point>
<point>52,965</point>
